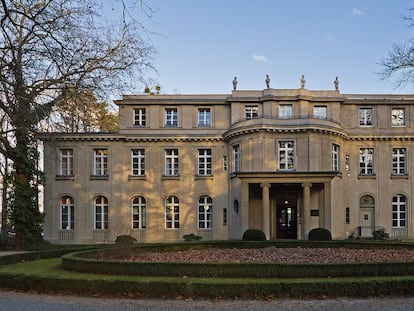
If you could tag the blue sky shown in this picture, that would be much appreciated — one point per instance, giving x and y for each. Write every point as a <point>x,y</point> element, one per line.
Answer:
<point>203,44</point>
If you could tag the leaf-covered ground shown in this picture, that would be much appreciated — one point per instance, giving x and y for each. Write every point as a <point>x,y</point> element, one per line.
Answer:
<point>274,255</point>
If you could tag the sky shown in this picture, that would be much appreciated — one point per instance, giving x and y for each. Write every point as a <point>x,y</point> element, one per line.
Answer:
<point>203,44</point>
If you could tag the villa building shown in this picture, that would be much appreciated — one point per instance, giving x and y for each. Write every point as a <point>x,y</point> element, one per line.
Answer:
<point>280,160</point>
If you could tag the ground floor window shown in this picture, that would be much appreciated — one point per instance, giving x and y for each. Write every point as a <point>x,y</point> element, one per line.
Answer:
<point>139,212</point>
<point>67,213</point>
<point>205,212</point>
<point>172,213</point>
<point>101,212</point>
<point>399,211</point>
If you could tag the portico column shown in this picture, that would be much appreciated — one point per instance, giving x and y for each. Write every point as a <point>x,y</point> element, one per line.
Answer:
<point>266,210</point>
<point>244,208</point>
<point>306,209</point>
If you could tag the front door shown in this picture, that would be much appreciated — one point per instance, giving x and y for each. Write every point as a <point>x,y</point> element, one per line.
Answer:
<point>287,220</point>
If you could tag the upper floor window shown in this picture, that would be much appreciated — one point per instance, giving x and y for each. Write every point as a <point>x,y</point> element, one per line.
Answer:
<point>171,165</point>
<point>205,212</point>
<point>251,112</point>
<point>204,117</point>
<point>100,167</point>
<point>320,112</point>
<point>171,117</point>
<point>204,162</point>
<point>399,211</point>
<point>66,162</point>
<point>138,162</point>
<point>286,154</point>
<point>140,117</point>
<point>399,161</point>
<point>101,213</point>
<point>335,157</point>
<point>139,207</point>
<point>67,213</point>
<point>285,111</point>
<point>366,161</point>
<point>172,213</point>
<point>236,165</point>
<point>365,116</point>
<point>397,117</point>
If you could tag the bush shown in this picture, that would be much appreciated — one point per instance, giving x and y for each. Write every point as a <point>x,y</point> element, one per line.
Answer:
<point>191,237</point>
<point>254,235</point>
<point>380,234</point>
<point>125,239</point>
<point>320,234</point>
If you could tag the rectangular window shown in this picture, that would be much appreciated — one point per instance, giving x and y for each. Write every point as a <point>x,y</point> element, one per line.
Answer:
<point>171,167</point>
<point>399,161</point>
<point>366,161</point>
<point>251,112</point>
<point>397,117</point>
<point>100,167</point>
<point>365,116</point>
<point>171,117</point>
<point>138,162</point>
<point>285,111</point>
<point>204,117</point>
<point>66,162</point>
<point>224,216</point>
<point>399,210</point>
<point>236,158</point>
<point>204,162</point>
<point>286,155</point>
<point>320,112</point>
<point>347,215</point>
<point>139,117</point>
<point>335,158</point>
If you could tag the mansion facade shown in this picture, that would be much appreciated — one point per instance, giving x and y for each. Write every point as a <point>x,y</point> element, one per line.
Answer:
<point>280,160</point>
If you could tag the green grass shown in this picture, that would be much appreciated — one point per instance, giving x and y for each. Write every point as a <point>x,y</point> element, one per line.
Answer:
<point>46,275</point>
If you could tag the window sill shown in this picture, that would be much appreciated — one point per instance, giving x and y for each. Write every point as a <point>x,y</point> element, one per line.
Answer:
<point>167,177</point>
<point>402,176</point>
<point>65,177</point>
<point>367,176</point>
<point>99,177</point>
<point>201,177</point>
<point>137,177</point>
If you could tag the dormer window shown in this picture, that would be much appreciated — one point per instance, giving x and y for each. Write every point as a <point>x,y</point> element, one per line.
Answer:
<point>251,112</point>
<point>139,117</point>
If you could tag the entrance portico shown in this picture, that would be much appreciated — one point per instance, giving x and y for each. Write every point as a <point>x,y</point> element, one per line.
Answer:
<point>285,205</point>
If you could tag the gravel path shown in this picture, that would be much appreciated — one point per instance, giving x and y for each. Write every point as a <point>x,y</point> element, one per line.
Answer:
<point>272,255</point>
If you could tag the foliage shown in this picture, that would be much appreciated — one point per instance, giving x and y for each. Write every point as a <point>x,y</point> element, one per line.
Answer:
<point>380,234</point>
<point>320,234</point>
<point>125,239</point>
<point>47,47</point>
<point>254,235</point>
<point>191,237</point>
<point>400,60</point>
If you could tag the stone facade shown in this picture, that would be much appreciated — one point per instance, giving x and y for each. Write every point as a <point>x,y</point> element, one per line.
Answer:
<point>283,161</point>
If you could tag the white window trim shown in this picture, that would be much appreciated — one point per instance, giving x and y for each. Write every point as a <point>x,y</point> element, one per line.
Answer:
<point>140,158</point>
<point>99,161</point>
<point>142,209</point>
<point>171,162</point>
<point>285,150</point>
<point>206,160</point>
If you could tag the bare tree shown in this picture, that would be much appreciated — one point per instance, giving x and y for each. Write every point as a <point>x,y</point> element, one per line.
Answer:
<point>46,45</point>
<point>399,64</point>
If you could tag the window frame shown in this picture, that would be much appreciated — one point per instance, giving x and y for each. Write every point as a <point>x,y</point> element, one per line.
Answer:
<point>171,162</point>
<point>138,162</point>
<point>319,113</point>
<point>204,162</point>
<point>366,119</point>
<point>69,205</point>
<point>399,161</point>
<point>139,117</point>
<point>100,162</point>
<point>394,122</point>
<point>251,112</point>
<point>205,213</point>
<point>236,156</point>
<point>139,212</point>
<point>204,117</point>
<point>399,215</point>
<point>290,153</point>
<point>367,167</point>
<point>285,111</point>
<point>335,157</point>
<point>101,213</point>
<point>66,162</point>
<point>171,117</point>
<point>172,212</point>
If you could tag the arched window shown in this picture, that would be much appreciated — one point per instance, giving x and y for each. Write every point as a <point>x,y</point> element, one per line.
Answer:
<point>172,213</point>
<point>139,212</point>
<point>367,201</point>
<point>399,211</point>
<point>205,212</point>
<point>67,213</point>
<point>101,212</point>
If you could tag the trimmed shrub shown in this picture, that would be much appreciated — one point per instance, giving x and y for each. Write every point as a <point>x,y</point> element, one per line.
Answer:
<point>254,235</point>
<point>380,234</point>
<point>320,234</point>
<point>125,239</point>
<point>191,237</point>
